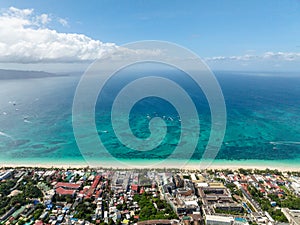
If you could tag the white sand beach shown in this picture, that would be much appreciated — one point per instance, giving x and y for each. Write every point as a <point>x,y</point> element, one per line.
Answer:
<point>142,164</point>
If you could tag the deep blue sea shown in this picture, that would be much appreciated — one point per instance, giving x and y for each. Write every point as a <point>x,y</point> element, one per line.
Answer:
<point>263,119</point>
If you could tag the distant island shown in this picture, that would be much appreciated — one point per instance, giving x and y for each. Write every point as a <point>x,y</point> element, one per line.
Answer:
<point>20,74</point>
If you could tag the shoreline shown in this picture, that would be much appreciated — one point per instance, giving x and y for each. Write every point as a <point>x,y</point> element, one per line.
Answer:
<point>133,164</point>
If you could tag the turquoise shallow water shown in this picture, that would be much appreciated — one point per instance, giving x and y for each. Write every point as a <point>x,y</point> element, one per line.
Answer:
<point>263,121</point>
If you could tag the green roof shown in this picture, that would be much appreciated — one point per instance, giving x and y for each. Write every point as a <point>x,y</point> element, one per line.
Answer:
<point>186,218</point>
<point>18,212</point>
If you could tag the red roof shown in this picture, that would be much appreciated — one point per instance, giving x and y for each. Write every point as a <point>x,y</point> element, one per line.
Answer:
<point>97,194</point>
<point>67,185</point>
<point>62,191</point>
<point>38,222</point>
<point>96,181</point>
<point>90,192</point>
<point>142,191</point>
<point>134,187</point>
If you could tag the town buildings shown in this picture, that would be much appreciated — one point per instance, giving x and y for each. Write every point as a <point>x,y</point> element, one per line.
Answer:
<point>99,196</point>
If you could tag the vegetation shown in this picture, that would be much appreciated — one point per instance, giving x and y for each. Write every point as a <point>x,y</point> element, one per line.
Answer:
<point>219,179</point>
<point>37,213</point>
<point>231,212</point>
<point>6,186</point>
<point>291,201</point>
<point>276,214</point>
<point>245,171</point>
<point>122,206</point>
<point>234,190</point>
<point>150,212</point>
<point>84,210</point>
<point>294,173</point>
<point>268,171</point>
<point>63,198</point>
<point>29,192</point>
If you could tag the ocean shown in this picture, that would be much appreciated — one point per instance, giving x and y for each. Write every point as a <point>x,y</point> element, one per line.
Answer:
<point>263,120</point>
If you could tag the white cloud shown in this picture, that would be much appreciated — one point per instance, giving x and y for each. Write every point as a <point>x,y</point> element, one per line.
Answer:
<point>43,19</point>
<point>63,22</point>
<point>267,56</point>
<point>25,38</point>
<point>267,61</point>
<point>286,56</point>
<point>18,13</point>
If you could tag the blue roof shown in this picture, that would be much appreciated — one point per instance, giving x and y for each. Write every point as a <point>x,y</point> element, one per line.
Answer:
<point>239,219</point>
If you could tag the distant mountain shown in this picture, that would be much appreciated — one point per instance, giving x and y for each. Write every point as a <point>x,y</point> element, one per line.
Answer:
<point>19,74</point>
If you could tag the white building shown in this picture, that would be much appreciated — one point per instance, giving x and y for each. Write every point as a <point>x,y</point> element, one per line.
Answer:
<point>296,187</point>
<point>219,220</point>
<point>293,216</point>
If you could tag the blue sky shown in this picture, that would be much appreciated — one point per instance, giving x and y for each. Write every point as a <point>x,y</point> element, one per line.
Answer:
<point>223,32</point>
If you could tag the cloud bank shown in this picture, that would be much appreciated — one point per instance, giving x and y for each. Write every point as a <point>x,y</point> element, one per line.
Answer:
<point>273,61</point>
<point>25,38</point>
<point>282,56</point>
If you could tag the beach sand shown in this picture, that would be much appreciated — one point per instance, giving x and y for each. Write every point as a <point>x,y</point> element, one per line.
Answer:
<point>142,164</point>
